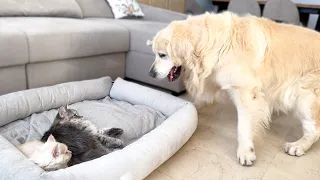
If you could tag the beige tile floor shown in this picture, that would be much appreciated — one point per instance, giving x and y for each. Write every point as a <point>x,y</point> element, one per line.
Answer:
<point>210,154</point>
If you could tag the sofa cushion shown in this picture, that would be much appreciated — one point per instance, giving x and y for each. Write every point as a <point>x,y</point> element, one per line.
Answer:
<point>12,79</point>
<point>55,72</point>
<point>62,38</point>
<point>95,8</point>
<point>13,47</point>
<point>57,8</point>
<point>140,32</point>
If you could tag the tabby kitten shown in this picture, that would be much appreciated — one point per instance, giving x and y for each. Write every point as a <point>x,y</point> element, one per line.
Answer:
<point>83,138</point>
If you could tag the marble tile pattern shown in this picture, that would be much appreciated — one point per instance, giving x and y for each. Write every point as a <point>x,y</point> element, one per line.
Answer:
<point>210,154</point>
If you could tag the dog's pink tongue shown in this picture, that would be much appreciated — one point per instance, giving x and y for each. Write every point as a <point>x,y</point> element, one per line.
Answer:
<point>172,71</point>
<point>171,75</point>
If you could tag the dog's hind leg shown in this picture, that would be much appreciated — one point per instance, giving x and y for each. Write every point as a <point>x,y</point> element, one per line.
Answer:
<point>253,117</point>
<point>307,109</point>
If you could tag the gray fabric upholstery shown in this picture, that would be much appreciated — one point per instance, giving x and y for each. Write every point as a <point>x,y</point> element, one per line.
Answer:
<point>12,79</point>
<point>282,10</point>
<point>51,8</point>
<point>140,32</point>
<point>22,104</point>
<point>54,72</point>
<point>161,15</point>
<point>62,38</point>
<point>13,47</point>
<point>95,8</point>
<point>243,7</point>
<point>30,128</point>
<point>137,68</point>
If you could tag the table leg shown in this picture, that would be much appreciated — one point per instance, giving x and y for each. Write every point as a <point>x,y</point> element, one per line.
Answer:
<point>304,18</point>
<point>318,24</point>
<point>222,6</point>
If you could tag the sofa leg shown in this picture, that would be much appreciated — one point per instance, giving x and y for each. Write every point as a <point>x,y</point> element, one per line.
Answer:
<point>178,93</point>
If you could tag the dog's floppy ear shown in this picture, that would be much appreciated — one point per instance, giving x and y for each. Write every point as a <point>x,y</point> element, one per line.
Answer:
<point>180,46</point>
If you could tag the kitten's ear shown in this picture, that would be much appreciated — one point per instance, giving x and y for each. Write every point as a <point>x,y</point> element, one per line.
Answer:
<point>51,139</point>
<point>62,111</point>
<point>55,151</point>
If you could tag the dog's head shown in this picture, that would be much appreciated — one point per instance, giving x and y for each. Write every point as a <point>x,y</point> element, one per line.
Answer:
<point>173,48</point>
<point>195,45</point>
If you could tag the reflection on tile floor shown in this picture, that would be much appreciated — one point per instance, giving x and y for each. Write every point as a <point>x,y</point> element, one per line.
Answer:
<point>210,154</point>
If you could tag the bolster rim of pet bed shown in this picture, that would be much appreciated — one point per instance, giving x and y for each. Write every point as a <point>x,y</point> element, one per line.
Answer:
<point>134,162</point>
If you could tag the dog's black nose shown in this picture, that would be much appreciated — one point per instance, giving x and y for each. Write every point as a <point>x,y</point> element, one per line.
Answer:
<point>152,73</point>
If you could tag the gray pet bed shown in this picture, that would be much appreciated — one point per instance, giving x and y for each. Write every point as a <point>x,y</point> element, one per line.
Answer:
<point>155,126</point>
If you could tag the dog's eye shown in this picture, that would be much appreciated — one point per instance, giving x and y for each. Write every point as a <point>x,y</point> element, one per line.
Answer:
<point>161,55</point>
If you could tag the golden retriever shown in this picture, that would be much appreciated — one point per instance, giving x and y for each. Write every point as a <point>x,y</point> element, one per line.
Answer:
<point>262,66</point>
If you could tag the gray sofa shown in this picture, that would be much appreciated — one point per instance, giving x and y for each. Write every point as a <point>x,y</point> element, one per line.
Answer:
<point>46,42</point>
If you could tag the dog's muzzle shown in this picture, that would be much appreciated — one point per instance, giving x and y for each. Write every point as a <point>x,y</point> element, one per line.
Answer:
<point>152,72</point>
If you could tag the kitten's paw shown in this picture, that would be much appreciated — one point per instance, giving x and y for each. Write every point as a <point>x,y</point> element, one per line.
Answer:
<point>294,149</point>
<point>246,156</point>
<point>113,132</point>
<point>117,144</point>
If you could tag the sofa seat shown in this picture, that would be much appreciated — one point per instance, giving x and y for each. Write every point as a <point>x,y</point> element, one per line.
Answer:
<point>61,38</point>
<point>140,31</point>
<point>13,47</point>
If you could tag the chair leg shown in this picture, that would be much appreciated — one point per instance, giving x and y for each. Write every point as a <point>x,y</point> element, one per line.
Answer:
<point>318,24</point>
<point>304,18</point>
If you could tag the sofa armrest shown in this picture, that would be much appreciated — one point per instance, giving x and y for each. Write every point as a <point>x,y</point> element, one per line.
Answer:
<point>161,15</point>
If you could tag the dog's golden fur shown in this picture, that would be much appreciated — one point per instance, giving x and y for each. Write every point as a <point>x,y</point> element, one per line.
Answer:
<point>262,65</point>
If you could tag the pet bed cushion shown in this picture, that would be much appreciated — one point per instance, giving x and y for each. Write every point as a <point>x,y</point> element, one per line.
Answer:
<point>155,126</point>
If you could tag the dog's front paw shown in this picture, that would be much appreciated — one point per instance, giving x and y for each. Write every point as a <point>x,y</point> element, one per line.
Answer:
<point>246,155</point>
<point>294,149</point>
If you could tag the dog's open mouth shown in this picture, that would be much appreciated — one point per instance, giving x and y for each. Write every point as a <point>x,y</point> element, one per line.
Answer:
<point>174,73</point>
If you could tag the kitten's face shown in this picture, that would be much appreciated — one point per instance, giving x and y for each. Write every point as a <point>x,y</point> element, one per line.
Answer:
<point>65,113</point>
<point>52,155</point>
